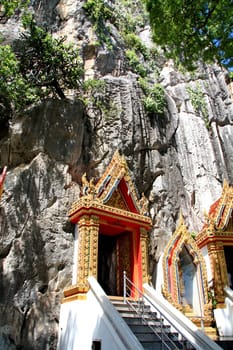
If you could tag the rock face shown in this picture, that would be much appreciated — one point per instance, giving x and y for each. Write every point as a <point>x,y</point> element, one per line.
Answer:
<point>178,159</point>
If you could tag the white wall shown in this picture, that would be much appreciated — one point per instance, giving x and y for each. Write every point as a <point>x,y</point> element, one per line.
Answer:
<point>224,319</point>
<point>83,321</point>
<point>204,251</point>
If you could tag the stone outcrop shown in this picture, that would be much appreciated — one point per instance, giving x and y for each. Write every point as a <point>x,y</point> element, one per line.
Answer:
<point>178,159</point>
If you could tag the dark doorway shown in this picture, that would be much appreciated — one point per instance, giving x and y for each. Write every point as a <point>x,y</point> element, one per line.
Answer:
<point>107,263</point>
<point>228,251</point>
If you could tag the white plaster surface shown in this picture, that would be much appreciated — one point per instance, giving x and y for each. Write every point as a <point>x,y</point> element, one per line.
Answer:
<point>204,251</point>
<point>83,321</point>
<point>224,319</point>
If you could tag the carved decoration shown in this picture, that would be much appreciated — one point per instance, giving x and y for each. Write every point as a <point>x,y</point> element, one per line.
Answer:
<point>111,205</point>
<point>88,245</point>
<point>116,201</point>
<point>116,170</point>
<point>144,240</point>
<point>144,203</point>
<point>97,207</point>
<point>173,280</point>
<point>217,233</point>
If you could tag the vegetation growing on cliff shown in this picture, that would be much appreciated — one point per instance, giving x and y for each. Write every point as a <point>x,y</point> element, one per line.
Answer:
<point>199,104</point>
<point>129,17</point>
<point>15,91</point>
<point>154,100</point>
<point>40,66</point>
<point>47,62</point>
<point>9,7</point>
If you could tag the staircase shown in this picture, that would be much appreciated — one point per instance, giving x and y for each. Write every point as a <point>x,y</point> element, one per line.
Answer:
<point>150,329</point>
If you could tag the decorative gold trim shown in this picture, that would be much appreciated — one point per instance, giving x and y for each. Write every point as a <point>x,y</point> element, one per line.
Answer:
<point>85,204</point>
<point>171,287</point>
<point>217,233</point>
<point>110,202</point>
<point>117,169</point>
<point>144,240</point>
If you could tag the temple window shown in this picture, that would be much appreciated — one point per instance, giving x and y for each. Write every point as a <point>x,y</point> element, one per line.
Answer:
<point>188,282</point>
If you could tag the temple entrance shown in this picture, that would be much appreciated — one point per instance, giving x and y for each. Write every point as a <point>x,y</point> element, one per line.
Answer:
<point>111,234</point>
<point>228,251</point>
<point>114,256</point>
<point>107,263</point>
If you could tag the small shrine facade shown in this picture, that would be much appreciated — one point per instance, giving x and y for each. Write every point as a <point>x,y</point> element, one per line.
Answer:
<point>111,233</point>
<point>216,243</point>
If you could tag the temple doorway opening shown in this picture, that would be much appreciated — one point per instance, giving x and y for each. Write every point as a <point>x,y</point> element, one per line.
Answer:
<point>228,251</point>
<point>107,263</point>
<point>114,257</point>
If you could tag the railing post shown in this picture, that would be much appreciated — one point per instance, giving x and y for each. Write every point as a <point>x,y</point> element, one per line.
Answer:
<point>161,330</point>
<point>124,286</point>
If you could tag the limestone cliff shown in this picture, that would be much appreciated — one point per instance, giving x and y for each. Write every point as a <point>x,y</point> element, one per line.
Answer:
<point>178,159</point>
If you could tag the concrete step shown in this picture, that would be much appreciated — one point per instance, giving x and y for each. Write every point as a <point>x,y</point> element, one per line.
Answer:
<point>159,346</point>
<point>140,328</point>
<point>133,314</point>
<point>150,336</point>
<point>122,307</point>
<point>139,321</point>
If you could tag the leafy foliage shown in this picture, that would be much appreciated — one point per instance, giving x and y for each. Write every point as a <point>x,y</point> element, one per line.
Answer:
<point>99,12</point>
<point>130,15</point>
<point>199,104</point>
<point>193,30</point>
<point>133,41</point>
<point>42,66</point>
<point>154,100</point>
<point>48,62</point>
<point>135,63</point>
<point>15,91</point>
<point>9,7</point>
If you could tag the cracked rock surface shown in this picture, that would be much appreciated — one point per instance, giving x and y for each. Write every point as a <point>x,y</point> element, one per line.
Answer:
<point>179,160</point>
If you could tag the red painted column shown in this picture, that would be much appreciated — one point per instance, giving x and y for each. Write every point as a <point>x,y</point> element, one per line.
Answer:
<point>136,263</point>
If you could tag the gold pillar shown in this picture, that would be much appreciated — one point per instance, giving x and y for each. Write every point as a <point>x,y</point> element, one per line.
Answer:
<point>219,271</point>
<point>144,251</point>
<point>88,230</point>
<point>87,249</point>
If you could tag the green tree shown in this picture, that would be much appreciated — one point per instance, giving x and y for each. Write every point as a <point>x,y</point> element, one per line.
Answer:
<point>193,30</point>
<point>47,62</point>
<point>15,91</point>
<point>41,66</point>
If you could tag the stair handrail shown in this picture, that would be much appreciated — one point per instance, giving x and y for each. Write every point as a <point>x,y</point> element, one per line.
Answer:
<point>182,325</point>
<point>121,328</point>
<point>229,293</point>
<point>198,339</point>
<point>133,295</point>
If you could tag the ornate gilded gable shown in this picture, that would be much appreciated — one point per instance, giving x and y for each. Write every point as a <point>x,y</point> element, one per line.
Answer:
<point>114,193</point>
<point>221,211</point>
<point>218,224</point>
<point>115,188</point>
<point>117,201</point>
